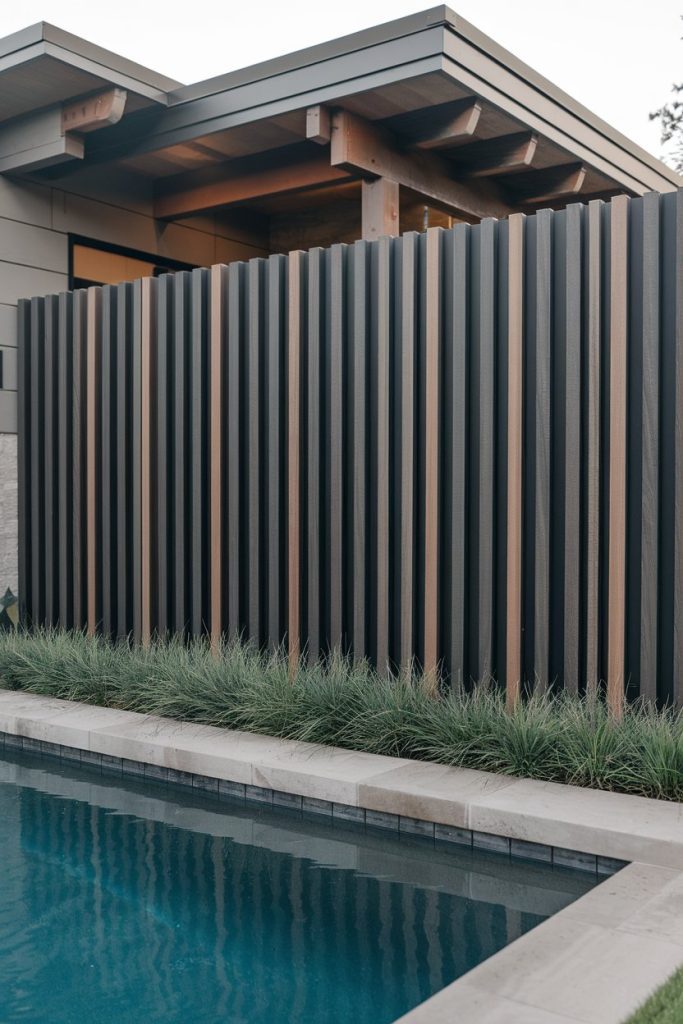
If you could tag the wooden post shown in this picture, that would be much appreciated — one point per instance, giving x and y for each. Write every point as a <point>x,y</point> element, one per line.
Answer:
<point>513,638</point>
<point>380,208</point>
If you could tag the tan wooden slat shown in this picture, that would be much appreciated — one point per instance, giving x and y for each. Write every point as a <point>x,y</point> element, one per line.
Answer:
<point>408,270</point>
<point>295,277</point>
<point>515,376</point>
<point>617,454</point>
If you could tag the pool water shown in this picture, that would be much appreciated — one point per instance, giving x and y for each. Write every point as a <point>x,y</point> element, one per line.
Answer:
<point>125,901</point>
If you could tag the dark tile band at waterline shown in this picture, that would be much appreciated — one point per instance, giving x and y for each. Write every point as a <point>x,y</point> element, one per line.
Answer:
<point>237,792</point>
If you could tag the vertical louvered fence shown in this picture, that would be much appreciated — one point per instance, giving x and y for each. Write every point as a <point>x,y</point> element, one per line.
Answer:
<point>463,447</point>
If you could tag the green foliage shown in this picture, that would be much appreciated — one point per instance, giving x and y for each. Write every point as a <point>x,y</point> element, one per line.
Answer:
<point>561,739</point>
<point>670,117</point>
<point>665,1006</point>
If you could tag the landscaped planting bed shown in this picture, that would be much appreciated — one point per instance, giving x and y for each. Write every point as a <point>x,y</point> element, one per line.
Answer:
<point>558,738</point>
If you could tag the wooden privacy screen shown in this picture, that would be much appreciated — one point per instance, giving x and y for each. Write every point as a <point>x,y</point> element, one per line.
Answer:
<point>463,447</point>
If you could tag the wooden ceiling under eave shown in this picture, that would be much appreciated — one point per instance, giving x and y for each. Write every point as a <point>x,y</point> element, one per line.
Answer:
<point>521,169</point>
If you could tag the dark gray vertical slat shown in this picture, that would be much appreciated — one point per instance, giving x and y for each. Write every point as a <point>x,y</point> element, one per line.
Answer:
<point>430,389</point>
<point>215,397</point>
<point>180,450</point>
<point>198,450</point>
<point>275,401</point>
<point>36,604</point>
<point>617,469</point>
<point>643,476</point>
<point>136,458</point>
<point>337,327</point>
<point>49,423</point>
<point>162,448</point>
<point>107,387</point>
<point>406,424</point>
<point>676,297</point>
<point>78,413</point>
<point>482,447</point>
<point>538,366</point>
<point>93,476</point>
<point>65,459</point>
<point>293,367</point>
<point>511,456</point>
<point>147,460</point>
<point>313,451</point>
<point>382,296</point>
<point>234,393</point>
<point>359,430</point>
<point>592,386</point>
<point>567,448</point>
<point>455,390</point>
<point>255,329</point>
<point>23,449</point>
<point>671,544</point>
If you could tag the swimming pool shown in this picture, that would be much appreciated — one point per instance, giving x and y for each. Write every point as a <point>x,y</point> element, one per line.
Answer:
<point>125,902</point>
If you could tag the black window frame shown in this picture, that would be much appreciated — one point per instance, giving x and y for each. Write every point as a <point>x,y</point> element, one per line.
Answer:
<point>162,265</point>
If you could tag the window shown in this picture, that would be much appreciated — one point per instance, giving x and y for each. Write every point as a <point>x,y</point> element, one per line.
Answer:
<point>99,263</point>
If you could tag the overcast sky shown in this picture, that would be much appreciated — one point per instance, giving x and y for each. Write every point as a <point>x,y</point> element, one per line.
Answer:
<point>618,57</point>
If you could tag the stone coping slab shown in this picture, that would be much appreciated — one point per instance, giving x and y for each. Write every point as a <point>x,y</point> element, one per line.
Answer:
<point>487,809</point>
<point>594,962</point>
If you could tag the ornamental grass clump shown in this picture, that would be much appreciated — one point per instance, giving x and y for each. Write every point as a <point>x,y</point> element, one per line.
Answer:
<point>561,738</point>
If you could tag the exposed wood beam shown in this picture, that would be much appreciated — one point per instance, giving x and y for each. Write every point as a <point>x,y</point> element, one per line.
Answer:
<point>547,185</point>
<point>287,171</point>
<point>447,124</point>
<point>380,203</point>
<point>501,155</point>
<point>368,149</point>
<point>98,111</point>
<point>318,124</point>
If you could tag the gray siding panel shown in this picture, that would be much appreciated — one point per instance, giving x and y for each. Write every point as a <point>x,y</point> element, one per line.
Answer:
<point>30,246</point>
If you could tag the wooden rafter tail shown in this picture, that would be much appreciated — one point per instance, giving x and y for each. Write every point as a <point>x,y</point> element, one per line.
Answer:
<point>439,127</point>
<point>548,185</point>
<point>503,155</point>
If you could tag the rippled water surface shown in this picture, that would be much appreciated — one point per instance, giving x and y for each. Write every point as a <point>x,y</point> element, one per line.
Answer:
<point>123,902</point>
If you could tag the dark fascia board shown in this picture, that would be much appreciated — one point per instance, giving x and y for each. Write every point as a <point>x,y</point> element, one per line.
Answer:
<point>328,80</point>
<point>45,39</point>
<point>321,52</point>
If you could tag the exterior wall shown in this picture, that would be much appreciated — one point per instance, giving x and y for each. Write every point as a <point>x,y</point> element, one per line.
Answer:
<point>35,223</point>
<point>113,207</point>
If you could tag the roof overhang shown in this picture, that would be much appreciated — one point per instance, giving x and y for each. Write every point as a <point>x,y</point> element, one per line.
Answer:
<point>420,67</point>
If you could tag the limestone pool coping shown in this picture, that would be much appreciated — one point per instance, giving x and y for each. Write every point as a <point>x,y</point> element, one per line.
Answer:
<point>593,962</point>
